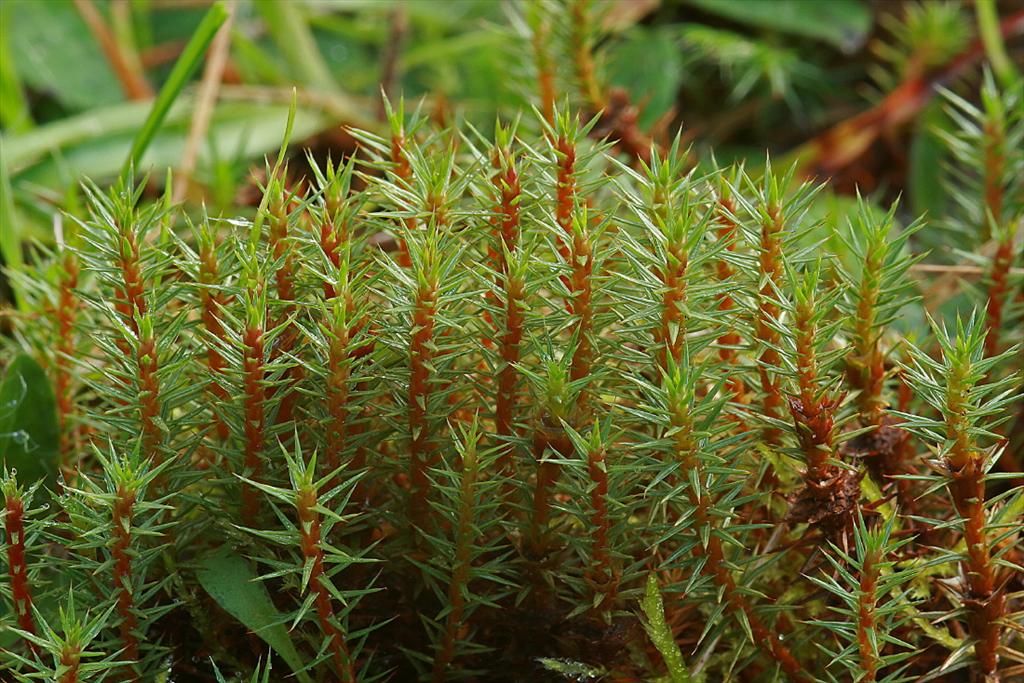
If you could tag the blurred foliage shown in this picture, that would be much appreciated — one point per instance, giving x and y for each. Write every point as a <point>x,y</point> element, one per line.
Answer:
<point>736,76</point>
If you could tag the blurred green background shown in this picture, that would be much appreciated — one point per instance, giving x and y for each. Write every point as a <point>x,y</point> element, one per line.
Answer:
<point>735,76</point>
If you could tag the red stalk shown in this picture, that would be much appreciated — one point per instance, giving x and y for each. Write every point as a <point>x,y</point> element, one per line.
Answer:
<point>17,567</point>
<point>580,304</point>
<point>812,413</point>
<point>312,551</point>
<point>124,507</point>
<point>339,370</point>
<point>211,302</point>
<point>131,300</point>
<point>402,169</point>
<point>149,392</point>
<point>255,419</point>
<point>547,435</point>
<point>66,312</point>
<point>506,222</point>
<point>770,270</point>
<point>727,231</point>
<point>507,399</point>
<point>282,247</point>
<point>602,577</point>
<point>70,659</point>
<point>985,602</point>
<point>669,336</point>
<point>998,288</point>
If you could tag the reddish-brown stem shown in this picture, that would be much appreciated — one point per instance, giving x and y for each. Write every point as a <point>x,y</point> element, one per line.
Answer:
<point>565,192</point>
<point>131,300</point>
<point>421,356</point>
<point>770,265</point>
<point>547,436</point>
<point>576,250</point>
<point>868,371</point>
<point>403,170</point>
<point>670,334</point>
<point>255,418</point>
<point>812,413</point>
<point>211,301</point>
<point>601,576</point>
<point>507,192</point>
<point>149,394</point>
<point>506,221</point>
<point>339,370</point>
<point>334,232</point>
<point>283,250</point>
<point>984,600</point>
<point>65,313</point>
<point>580,305</point>
<point>995,163</point>
<point>124,508</point>
<point>507,399</point>
<point>70,659</point>
<point>997,292</point>
<point>17,566</point>
<point>461,568</point>
<point>867,618</point>
<point>312,551</point>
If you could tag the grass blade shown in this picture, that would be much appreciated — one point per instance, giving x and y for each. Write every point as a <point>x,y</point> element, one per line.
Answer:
<point>182,71</point>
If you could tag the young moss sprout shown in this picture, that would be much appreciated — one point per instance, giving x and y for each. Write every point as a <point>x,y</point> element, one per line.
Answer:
<point>873,298</point>
<point>317,562</point>
<point>831,489</point>
<point>774,233</point>
<point>128,526</point>
<point>66,654</point>
<point>875,594</point>
<point>702,496</point>
<point>988,200</point>
<point>465,566</point>
<point>969,408</point>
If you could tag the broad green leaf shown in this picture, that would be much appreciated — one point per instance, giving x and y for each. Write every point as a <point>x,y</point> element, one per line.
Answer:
<point>55,53</point>
<point>14,107</point>
<point>29,435</point>
<point>842,23</point>
<point>10,235</point>
<point>250,129</point>
<point>229,579</point>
